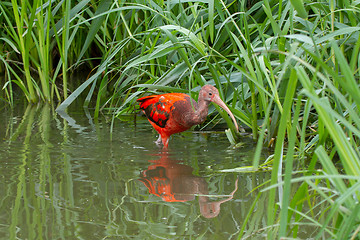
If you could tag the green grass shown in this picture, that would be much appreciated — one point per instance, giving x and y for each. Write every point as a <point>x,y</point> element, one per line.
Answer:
<point>288,70</point>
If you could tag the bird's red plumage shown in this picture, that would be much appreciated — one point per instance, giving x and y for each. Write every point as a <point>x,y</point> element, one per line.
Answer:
<point>162,112</point>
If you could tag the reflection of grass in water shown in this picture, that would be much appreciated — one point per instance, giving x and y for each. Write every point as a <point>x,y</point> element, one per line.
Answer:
<point>41,207</point>
<point>21,187</point>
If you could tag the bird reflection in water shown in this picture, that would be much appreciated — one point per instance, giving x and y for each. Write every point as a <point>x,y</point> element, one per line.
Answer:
<point>174,182</point>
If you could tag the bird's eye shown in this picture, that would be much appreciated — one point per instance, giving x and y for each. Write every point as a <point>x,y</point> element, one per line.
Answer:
<point>210,94</point>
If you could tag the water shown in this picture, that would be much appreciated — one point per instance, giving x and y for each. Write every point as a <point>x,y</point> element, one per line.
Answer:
<point>66,177</point>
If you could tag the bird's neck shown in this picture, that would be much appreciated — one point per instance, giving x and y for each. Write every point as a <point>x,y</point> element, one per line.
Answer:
<point>201,112</point>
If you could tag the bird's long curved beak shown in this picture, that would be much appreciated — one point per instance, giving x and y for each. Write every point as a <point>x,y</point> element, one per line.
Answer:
<point>216,99</point>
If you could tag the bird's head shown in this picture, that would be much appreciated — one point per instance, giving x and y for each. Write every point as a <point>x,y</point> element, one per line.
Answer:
<point>209,93</point>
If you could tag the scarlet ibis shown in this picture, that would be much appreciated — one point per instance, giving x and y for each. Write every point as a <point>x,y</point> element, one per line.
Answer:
<point>176,112</point>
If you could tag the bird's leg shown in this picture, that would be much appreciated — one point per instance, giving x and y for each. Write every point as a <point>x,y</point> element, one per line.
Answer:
<point>158,141</point>
<point>165,141</point>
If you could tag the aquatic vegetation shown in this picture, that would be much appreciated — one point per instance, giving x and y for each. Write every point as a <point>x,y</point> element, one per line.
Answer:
<point>288,70</point>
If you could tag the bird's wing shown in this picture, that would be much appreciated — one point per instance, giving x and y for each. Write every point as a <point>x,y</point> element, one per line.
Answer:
<point>157,108</point>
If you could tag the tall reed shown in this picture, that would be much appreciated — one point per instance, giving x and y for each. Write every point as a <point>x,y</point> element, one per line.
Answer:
<point>36,32</point>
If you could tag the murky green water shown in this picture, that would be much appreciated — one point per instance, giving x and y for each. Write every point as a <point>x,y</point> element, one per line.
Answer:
<point>64,177</point>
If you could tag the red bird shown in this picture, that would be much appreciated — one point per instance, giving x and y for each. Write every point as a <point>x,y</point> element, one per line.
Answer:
<point>176,112</point>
